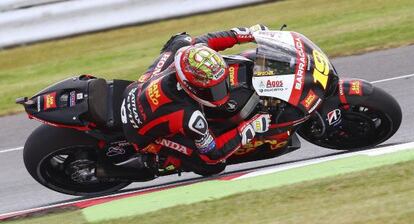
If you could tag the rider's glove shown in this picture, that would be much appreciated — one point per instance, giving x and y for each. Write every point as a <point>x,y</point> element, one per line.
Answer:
<point>258,27</point>
<point>245,35</point>
<point>258,124</point>
<point>261,123</point>
<point>246,132</point>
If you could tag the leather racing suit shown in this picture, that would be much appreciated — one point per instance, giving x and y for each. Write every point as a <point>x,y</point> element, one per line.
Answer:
<point>157,110</point>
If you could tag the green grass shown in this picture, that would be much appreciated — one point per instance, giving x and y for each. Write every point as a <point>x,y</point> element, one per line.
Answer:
<point>339,27</point>
<point>378,195</point>
<point>69,217</point>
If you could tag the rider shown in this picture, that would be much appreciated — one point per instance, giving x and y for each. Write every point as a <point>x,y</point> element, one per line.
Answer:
<point>169,98</point>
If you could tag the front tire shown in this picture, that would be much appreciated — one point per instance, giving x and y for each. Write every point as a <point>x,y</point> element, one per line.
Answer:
<point>365,124</point>
<point>64,160</point>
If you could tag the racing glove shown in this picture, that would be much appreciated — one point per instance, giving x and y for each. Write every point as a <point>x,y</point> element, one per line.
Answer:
<point>261,123</point>
<point>258,124</point>
<point>245,35</point>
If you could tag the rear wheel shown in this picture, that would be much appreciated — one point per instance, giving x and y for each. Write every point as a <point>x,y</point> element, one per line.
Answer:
<point>363,125</point>
<point>65,160</point>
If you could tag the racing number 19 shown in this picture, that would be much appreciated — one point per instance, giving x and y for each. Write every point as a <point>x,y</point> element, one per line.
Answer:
<point>321,71</point>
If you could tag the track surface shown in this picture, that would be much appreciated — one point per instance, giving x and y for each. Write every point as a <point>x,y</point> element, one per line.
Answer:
<point>19,191</point>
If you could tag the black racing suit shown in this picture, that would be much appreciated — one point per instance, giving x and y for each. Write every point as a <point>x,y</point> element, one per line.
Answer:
<point>157,110</point>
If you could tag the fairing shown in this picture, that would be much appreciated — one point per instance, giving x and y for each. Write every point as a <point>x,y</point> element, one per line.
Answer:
<point>62,104</point>
<point>292,68</point>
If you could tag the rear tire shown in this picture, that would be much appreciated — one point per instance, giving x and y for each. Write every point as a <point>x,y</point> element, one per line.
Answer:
<point>365,124</point>
<point>49,154</point>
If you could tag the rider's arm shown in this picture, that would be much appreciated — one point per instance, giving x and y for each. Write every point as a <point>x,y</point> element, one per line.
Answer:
<point>216,40</point>
<point>226,39</point>
<point>214,149</point>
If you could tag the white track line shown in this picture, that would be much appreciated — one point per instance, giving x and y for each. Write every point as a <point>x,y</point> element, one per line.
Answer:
<point>11,150</point>
<point>369,152</point>
<point>75,201</point>
<point>394,78</point>
<point>373,82</point>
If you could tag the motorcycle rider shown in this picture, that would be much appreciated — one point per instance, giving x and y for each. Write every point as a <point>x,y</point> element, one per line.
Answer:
<point>169,98</point>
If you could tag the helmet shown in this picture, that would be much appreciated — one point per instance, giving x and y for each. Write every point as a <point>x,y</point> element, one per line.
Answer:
<point>203,74</point>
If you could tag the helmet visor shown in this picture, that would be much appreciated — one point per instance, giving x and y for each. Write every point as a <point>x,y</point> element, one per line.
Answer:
<point>216,95</point>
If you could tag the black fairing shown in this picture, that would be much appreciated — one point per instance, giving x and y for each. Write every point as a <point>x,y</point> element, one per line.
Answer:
<point>79,102</point>
<point>65,102</point>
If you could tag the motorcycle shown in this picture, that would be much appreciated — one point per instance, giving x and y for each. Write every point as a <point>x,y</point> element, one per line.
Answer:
<point>80,148</point>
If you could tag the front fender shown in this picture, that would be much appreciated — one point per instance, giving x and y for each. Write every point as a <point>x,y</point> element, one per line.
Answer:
<point>350,91</point>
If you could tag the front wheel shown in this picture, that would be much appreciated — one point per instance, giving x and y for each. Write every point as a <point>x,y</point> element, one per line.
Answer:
<point>364,124</point>
<point>65,160</point>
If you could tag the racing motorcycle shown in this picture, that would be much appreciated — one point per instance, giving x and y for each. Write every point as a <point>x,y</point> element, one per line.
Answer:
<point>80,148</point>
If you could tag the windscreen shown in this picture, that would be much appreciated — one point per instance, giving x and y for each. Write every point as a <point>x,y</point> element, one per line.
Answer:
<point>289,67</point>
<point>274,57</point>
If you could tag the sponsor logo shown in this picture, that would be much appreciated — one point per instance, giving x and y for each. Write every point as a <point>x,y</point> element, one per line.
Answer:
<point>49,101</point>
<point>198,123</point>
<point>38,104</point>
<point>154,93</point>
<point>142,113</point>
<point>341,87</point>
<point>72,98</point>
<point>273,84</point>
<point>315,105</point>
<point>115,151</point>
<point>174,145</point>
<point>233,74</point>
<point>161,62</point>
<point>334,117</point>
<point>254,144</point>
<point>264,73</point>
<point>301,63</point>
<point>231,106</point>
<point>262,85</point>
<point>300,69</point>
<point>79,96</point>
<point>342,97</point>
<point>132,109</point>
<point>244,36</point>
<point>144,77</point>
<point>355,88</point>
<point>280,87</point>
<point>155,96</point>
<point>152,148</point>
<point>309,100</point>
<point>123,113</point>
<point>206,143</point>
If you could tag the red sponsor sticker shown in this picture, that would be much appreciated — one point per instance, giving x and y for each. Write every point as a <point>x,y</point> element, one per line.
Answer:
<point>155,95</point>
<point>233,74</point>
<point>355,88</point>
<point>309,100</point>
<point>300,70</point>
<point>49,101</point>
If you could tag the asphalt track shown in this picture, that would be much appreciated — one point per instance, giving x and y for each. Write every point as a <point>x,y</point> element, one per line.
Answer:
<point>19,191</point>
